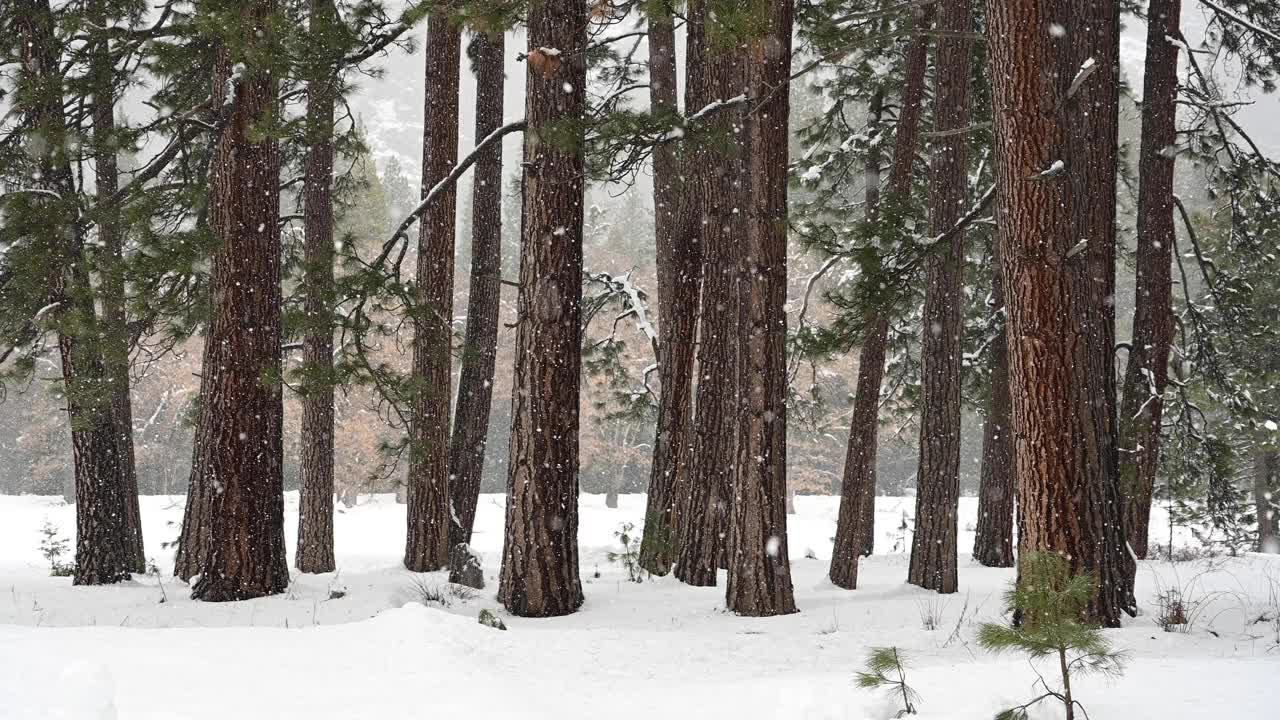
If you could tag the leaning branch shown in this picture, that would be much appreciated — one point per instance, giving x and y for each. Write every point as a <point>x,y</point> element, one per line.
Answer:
<point>1230,15</point>
<point>452,177</point>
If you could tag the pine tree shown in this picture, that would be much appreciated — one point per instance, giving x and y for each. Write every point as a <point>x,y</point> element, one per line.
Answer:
<point>429,512</point>
<point>1050,601</point>
<point>238,449</point>
<point>540,550</point>
<point>933,546</point>
<point>475,382</point>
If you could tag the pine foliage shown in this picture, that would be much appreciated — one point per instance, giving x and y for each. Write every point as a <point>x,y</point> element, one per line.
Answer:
<point>887,669</point>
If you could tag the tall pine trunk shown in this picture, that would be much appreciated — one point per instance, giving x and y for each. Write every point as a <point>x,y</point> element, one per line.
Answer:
<point>855,526</point>
<point>721,195</point>
<point>193,538</point>
<point>1148,368</point>
<point>540,551</point>
<point>116,339</point>
<point>314,553</point>
<point>105,551</point>
<point>475,384</point>
<point>677,226</point>
<point>759,565</point>
<point>856,519</point>
<point>428,512</point>
<point>933,546</point>
<point>238,447</point>
<point>993,540</point>
<point>1057,389</point>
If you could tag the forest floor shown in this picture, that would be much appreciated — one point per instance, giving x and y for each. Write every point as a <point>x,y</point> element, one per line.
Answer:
<point>658,648</point>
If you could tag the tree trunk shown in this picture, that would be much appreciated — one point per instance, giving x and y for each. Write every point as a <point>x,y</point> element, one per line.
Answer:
<point>105,551</point>
<point>540,553</point>
<point>721,192</point>
<point>1264,463</point>
<point>193,538</point>
<point>677,226</point>
<point>855,526</point>
<point>475,384</point>
<point>1093,151</point>
<point>933,546</point>
<point>1057,401</point>
<point>993,541</point>
<point>239,447</point>
<point>1148,368</point>
<point>115,338</point>
<point>314,553</point>
<point>427,541</point>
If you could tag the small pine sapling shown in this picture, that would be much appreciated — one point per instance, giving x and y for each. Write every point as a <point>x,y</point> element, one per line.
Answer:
<point>1051,602</point>
<point>630,555</point>
<point>887,669</point>
<point>53,547</point>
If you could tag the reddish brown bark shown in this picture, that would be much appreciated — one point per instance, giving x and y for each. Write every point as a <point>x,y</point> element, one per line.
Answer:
<point>759,565</point>
<point>239,445</point>
<point>855,526</point>
<point>1056,317</point>
<point>677,226</point>
<point>721,186</point>
<point>933,546</point>
<point>475,384</point>
<point>540,554</point>
<point>428,512</point>
<point>315,477</point>
<point>1148,368</point>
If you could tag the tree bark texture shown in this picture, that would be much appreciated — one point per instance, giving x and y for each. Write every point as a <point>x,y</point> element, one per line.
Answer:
<point>193,538</point>
<point>1148,368</point>
<point>993,541</point>
<point>677,226</point>
<point>428,511</point>
<point>1057,403</point>
<point>105,551</point>
<point>759,565</point>
<point>540,554</point>
<point>475,384</point>
<point>239,448</point>
<point>855,526</point>
<point>933,546</point>
<point>721,188</point>
<point>116,338</point>
<point>314,553</point>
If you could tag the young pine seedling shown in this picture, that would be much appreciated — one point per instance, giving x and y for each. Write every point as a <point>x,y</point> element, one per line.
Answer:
<point>887,669</point>
<point>1052,603</point>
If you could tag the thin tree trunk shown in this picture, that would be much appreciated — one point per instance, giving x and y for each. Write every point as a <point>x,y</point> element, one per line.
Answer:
<point>677,226</point>
<point>540,553</point>
<point>1264,463</point>
<point>239,444</point>
<point>1056,400</point>
<point>1148,368</point>
<point>104,541</point>
<point>193,538</point>
<point>475,384</point>
<point>427,540</point>
<point>115,338</point>
<point>855,526</point>
<point>993,541</point>
<point>1093,153</point>
<point>721,191</point>
<point>759,565</point>
<point>314,553</point>
<point>933,546</point>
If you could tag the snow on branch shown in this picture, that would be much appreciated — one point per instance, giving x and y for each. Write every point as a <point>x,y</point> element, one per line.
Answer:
<point>457,172</point>
<point>1240,19</point>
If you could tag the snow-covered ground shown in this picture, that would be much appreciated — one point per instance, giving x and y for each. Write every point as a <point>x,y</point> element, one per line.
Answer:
<point>655,649</point>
